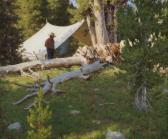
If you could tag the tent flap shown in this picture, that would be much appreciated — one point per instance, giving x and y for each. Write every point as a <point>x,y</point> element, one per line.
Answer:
<point>34,47</point>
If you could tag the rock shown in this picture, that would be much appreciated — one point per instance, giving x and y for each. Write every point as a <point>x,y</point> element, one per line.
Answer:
<point>70,106</point>
<point>114,135</point>
<point>165,91</point>
<point>96,122</point>
<point>74,112</point>
<point>96,89</point>
<point>15,126</point>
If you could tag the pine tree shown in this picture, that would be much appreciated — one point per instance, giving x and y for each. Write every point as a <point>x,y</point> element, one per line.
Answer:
<point>57,12</point>
<point>38,119</point>
<point>145,32</point>
<point>10,35</point>
<point>33,15</point>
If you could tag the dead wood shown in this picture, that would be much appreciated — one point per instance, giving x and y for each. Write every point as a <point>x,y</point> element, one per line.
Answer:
<point>50,85</point>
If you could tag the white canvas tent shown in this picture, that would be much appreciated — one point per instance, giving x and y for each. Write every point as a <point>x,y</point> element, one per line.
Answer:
<point>34,47</point>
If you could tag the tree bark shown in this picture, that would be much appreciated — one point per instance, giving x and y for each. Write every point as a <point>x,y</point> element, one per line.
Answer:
<point>57,62</point>
<point>100,26</point>
<point>109,25</point>
<point>115,25</point>
<point>91,30</point>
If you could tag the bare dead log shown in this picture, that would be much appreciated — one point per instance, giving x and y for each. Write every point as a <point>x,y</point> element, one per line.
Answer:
<point>27,66</point>
<point>85,55</point>
<point>29,106</point>
<point>24,98</point>
<point>50,85</point>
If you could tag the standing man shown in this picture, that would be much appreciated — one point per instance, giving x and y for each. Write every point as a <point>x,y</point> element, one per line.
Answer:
<point>49,44</point>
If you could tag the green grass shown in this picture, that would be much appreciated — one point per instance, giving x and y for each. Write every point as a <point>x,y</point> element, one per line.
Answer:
<point>108,86</point>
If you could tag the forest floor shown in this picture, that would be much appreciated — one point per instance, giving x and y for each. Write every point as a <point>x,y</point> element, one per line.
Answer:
<point>105,103</point>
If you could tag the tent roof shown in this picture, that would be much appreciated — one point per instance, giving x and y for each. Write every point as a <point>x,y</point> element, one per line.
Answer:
<point>35,44</point>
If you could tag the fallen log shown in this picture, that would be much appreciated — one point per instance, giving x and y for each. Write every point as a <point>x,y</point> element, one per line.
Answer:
<point>57,62</point>
<point>50,85</point>
<point>84,55</point>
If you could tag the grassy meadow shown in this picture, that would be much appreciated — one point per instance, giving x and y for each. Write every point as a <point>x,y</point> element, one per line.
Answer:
<point>105,103</point>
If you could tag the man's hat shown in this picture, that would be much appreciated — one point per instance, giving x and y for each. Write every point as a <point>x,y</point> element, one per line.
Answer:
<point>52,34</point>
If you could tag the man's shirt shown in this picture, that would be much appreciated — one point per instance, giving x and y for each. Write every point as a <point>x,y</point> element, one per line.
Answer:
<point>49,43</point>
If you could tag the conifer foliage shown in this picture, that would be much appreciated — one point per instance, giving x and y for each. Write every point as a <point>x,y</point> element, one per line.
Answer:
<point>10,35</point>
<point>145,32</point>
<point>33,15</point>
<point>57,12</point>
<point>38,119</point>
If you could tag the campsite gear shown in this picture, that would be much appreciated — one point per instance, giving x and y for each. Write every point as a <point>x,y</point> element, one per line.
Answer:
<point>34,47</point>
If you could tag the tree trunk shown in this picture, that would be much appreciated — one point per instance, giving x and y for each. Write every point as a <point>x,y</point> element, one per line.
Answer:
<point>57,62</point>
<point>91,30</point>
<point>100,26</point>
<point>114,32</point>
<point>109,25</point>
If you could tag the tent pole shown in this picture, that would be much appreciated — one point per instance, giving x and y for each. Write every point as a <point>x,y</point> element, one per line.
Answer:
<point>46,21</point>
